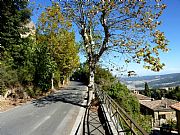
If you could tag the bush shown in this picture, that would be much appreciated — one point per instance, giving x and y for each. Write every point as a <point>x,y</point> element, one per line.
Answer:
<point>124,98</point>
<point>2,88</point>
<point>121,94</point>
<point>33,92</point>
<point>8,77</point>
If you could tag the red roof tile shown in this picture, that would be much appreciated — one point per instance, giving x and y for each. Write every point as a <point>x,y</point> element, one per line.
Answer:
<point>176,106</point>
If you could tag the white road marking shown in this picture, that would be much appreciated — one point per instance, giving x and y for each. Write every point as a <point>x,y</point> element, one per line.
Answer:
<point>42,121</point>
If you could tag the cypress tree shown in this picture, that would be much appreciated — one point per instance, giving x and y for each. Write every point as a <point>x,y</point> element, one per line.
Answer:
<point>14,15</point>
<point>147,90</point>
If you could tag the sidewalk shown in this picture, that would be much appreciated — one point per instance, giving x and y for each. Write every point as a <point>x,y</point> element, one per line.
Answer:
<point>93,122</point>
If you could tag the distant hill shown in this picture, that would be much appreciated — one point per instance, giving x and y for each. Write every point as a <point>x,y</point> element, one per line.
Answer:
<point>154,81</point>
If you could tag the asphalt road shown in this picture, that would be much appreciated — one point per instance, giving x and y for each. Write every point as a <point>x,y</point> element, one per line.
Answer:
<point>52,115</point>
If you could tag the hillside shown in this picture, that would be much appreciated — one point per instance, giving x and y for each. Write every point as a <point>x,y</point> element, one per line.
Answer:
<point>154,81</point>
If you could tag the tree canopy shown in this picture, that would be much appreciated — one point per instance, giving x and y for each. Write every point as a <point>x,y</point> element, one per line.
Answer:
<point>30,60</point>
<point>129,27</point>
<point>53,29</point>
<point>14,15</point>
<point>147,91</point>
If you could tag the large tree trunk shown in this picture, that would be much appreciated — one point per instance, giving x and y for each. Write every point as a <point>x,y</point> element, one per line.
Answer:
<point>91,81</point>
<point>91,77</point>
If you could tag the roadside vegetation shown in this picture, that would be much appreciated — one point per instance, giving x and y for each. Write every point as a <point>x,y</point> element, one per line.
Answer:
<point>32,56</point>
<point>118,91</point>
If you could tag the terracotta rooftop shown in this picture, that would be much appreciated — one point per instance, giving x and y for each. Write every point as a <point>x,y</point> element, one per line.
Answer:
<point>176,106</point>
<point>159,105</point>
<point>141,97</point>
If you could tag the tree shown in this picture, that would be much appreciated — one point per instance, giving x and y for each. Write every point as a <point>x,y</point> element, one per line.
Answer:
<point>174,94</point>
<point>147,91</point>
<point>44,66</point>
<point>81,74</point>
<point>103,77</point>
<point>16,66</point>
<point>121,94</point>
<point>67,56</point>
<point>53,28</point>
<point>8,77</point>
<point>14,15</point>
<point>128,27</point>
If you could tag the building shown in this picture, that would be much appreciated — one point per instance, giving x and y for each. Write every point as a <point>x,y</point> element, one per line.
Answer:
<point>159,109</point>
<point>176,107</point>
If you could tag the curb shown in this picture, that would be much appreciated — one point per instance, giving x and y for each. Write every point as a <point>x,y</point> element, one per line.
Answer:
<point>78,125</point>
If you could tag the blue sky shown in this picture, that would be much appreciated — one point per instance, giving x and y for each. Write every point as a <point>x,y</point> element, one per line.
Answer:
<point>170,26</point>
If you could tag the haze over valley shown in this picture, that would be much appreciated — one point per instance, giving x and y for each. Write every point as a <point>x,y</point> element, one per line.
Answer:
<point>154,81</point>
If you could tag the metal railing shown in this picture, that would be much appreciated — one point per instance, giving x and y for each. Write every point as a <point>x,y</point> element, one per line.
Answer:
<point>122,122</point>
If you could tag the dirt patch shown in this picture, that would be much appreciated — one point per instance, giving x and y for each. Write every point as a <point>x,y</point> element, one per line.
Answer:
<point>10,103</point>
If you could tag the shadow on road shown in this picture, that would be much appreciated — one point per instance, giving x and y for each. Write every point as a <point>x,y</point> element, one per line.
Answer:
<point>94,122</point>
<point>72,96</point>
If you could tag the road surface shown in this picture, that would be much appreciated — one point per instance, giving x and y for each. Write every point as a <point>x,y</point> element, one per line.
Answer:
<point>52,115</point>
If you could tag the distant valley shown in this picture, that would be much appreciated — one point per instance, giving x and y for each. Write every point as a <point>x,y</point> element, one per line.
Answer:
<point>154,81</point>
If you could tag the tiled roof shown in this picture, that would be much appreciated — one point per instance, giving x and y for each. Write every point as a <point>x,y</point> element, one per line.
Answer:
<point>176,106</point>
<point>151,104</point>
<point>158,105</point>
<point>142,97</point>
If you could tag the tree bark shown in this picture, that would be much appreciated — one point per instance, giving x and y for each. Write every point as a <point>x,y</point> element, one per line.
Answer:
<point>91,82</point>
<point>91,77</point>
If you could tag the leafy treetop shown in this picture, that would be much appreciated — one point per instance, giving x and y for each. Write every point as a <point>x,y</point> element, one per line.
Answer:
<point>125,26</point>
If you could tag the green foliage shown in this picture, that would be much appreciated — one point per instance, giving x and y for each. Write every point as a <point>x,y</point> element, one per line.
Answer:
<point>129,103</point>
<point>128,27</point>
<point>27,61</point>
<point>33,92</point>
<point>122,95</point>
<point>2,88</point>
<point>174,94</point>
<point>51,21</point>
<point>82,73</point>
<point>44,66</point>
<point>65,53</point>
<point>144,121</point>
<point>156,94</point>
<point>14,15</point>
<point>8,75</point>
<point>53,29</point>
<point>23,60</point>
<point>57,77</point>
<point>147,91</point>
<point>172,124</point>
<point>103,76</point>
<point>15,63</point>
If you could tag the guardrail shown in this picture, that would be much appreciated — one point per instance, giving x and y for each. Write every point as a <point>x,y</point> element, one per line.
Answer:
<point>122,122</point>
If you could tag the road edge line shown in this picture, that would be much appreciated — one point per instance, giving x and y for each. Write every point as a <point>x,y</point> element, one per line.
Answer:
<point>78,125</point>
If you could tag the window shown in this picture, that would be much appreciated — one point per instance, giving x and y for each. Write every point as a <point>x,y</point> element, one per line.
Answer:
<point>162,116</point>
